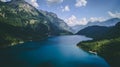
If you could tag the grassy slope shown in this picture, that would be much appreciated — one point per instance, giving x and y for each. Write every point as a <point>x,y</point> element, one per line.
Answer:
<point>108,49</point>
<point>107,46</point>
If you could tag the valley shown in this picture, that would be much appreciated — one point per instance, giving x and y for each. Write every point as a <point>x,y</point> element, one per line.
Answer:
<point>38,33</point>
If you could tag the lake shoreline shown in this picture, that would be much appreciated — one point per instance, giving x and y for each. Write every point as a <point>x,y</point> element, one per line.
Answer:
<point>58,51</point>
<point>103,49</point>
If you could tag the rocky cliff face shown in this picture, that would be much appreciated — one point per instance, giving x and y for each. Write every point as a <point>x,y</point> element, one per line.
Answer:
<point>20,21</point>
<point>58,25</point>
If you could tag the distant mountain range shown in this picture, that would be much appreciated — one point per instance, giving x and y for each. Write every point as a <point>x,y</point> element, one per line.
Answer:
<point>20,21</point>
<point>101,32</point>
<point>110,22</point>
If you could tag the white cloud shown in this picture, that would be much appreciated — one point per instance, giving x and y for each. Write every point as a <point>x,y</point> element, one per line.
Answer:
<point>33,2</point>
<point>80,3</point>
<point>66,8</point>
<point>114,15</point>
<point>54,1</point>
<point>73,20</point>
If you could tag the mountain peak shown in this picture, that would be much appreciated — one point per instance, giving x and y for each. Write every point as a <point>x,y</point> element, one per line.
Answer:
<point>13,1</point>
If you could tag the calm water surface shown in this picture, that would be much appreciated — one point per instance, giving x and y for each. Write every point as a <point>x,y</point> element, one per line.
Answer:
<point>60,51</point>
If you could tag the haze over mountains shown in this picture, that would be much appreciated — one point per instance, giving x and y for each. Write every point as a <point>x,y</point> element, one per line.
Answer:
<point>110,22</point>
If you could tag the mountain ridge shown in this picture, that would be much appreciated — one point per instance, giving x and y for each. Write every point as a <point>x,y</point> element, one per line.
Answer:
<point>109,22</point>
<point>29,23</point>
<point>101,32</point>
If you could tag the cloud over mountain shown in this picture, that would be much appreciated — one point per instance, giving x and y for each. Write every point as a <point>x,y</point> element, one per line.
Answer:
<point>114,15</point>
<point>73,20</point>
<point>5,0</point>
<point>33,2</point>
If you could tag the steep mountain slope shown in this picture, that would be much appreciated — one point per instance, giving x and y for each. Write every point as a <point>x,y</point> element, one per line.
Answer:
<point>20,21</point>
<point>110,22</point>
<point>58,25</point>
<point>21,13</point>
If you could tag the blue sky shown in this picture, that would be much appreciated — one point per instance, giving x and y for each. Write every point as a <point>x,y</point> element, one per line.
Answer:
<point>75,12</point>
<point>93,8</point>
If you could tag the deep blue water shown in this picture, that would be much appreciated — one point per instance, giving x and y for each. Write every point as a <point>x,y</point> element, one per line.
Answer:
<point>60,51</point>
